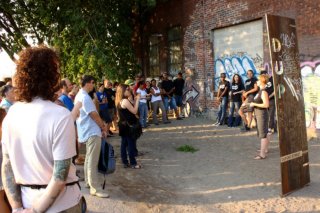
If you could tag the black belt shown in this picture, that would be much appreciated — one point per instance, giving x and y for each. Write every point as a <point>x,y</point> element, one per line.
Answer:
<point>45,186</point>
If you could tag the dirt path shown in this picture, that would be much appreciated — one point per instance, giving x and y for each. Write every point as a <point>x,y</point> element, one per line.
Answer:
<point>221,177</point>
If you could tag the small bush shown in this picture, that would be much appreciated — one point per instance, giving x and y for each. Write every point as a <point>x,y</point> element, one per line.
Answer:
<point>186,148</point>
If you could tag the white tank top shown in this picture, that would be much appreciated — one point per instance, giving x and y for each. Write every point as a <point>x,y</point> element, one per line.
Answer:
<point>156,98</point>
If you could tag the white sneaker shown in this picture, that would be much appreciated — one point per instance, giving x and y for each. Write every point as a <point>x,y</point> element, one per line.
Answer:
<point>216,124</point>
<point>100,194</point>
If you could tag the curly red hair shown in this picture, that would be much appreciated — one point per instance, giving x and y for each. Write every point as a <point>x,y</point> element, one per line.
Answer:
<point>37,74</point>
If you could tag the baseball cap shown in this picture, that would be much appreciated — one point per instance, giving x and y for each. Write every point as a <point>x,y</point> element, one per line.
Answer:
<point>129,82</point>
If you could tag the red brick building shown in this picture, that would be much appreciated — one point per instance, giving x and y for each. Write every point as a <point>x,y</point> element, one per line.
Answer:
<point>210,36</point>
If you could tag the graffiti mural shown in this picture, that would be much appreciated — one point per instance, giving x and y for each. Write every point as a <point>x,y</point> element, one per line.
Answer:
<point>310,72</point>
<point>191,93</point>
<point>236,64</point>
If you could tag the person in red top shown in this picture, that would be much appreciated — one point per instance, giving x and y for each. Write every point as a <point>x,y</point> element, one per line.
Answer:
<point>139,77</point>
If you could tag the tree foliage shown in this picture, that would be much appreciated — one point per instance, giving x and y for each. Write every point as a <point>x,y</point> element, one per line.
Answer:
<point>92,37</point>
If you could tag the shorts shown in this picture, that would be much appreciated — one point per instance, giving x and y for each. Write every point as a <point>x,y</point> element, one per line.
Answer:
<point>104,114</point>
<point>178,100</point>
<point>111,113</point>
<point>262,119</point>
<point>246,107</point>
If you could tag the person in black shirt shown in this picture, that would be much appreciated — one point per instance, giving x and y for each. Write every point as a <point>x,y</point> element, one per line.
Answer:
<point>272,104</point>
<point>223,99</point>
<point>250,91</point>
<point>236,91</point>
<point>178,85</point>
<point>167,91</point>
<point>111,105</point>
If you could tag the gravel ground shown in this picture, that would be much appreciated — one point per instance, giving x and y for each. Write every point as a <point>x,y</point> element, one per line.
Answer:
<point>221,177</point>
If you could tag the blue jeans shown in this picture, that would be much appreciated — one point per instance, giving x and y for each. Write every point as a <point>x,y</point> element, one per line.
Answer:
<point>143,113</point>
<point>178,100</point>
<point>128,144</point>
<point>222,110</point>
<point>172,103</point>
<point>237,121</point>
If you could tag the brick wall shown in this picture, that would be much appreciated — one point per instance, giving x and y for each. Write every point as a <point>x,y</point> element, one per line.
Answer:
<point>199,18</point>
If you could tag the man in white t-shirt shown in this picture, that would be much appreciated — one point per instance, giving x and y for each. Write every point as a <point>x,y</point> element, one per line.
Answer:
<point>38,140</point>
<point>90,128</point>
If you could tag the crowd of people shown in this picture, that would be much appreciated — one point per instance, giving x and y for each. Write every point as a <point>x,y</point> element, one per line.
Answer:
<point>47,119</point>
<point>245,98</point>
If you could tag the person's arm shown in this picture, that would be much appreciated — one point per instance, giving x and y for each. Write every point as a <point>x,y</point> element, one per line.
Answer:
<point>218,95</point>
<point>127,105</point>
<point>55,186</point>
<point>265,101</point>
<point>171,91</point>
<point>76,110</point>
<point>271,95</point>
<point>96,117</point>
<point>255,89</point>
<point>11,188</point>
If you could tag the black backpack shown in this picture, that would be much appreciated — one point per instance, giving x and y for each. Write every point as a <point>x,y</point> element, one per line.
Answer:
<point>107,161</point>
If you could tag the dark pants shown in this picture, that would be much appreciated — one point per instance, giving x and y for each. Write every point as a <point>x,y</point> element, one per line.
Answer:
<point>272,110</point>
<point>128,144</point>
<point>222,110</point>
<point>234,106</point>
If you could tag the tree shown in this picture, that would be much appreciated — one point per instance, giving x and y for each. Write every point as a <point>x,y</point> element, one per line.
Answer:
<point>92,37</point>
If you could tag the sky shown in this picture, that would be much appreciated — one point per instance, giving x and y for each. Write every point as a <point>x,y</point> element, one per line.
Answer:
<point>7,66</point>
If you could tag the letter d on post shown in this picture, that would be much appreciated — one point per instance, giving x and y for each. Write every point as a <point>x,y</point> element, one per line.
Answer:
<point>276,45</point>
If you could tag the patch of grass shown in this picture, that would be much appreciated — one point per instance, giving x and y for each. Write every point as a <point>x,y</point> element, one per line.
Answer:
<point>187,148</point>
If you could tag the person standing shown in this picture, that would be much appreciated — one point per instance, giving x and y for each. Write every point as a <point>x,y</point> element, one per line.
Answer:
<point>261,104</point>
<point>236,91</point>
<point>179,85</point>
<point>143,108</point>
<point>272,104</point>
<point>127,116</point>
<point>111,106</point>
<point>222,97</point>
<point>38,138</point>
<point>250,91</point>
<point>90,130</point>
<point>66,87</point>
<point>168,99</point>
<point>157,103</point>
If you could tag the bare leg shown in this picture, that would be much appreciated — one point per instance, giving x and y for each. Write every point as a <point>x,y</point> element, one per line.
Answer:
<point>264,147</point>
<point>249,119</point>
<point>243,116</point>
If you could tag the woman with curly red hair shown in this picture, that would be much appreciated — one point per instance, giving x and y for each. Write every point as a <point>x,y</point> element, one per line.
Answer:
<point>38,139</point>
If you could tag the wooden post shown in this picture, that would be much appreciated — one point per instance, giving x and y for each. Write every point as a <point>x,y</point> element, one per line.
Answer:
<point>284,54</point>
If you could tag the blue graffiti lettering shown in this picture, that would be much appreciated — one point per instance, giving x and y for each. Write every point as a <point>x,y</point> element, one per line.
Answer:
<point>233,65</point>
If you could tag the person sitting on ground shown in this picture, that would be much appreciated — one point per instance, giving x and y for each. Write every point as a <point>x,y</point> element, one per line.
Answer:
<point>157,103</point>
<point>38,138</point>
<point>8,97</point>
<point>261,104</point>
<point>90,130</point>
<point>236,91</point>
<point>222,97</point>
<point>167,91</point>
<point>127,116</point>
<point>250,91</point>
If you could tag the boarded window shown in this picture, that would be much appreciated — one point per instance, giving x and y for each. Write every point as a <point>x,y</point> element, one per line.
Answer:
<point>154,65</point>
<point>175,50</point>
<point>237,49</point>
